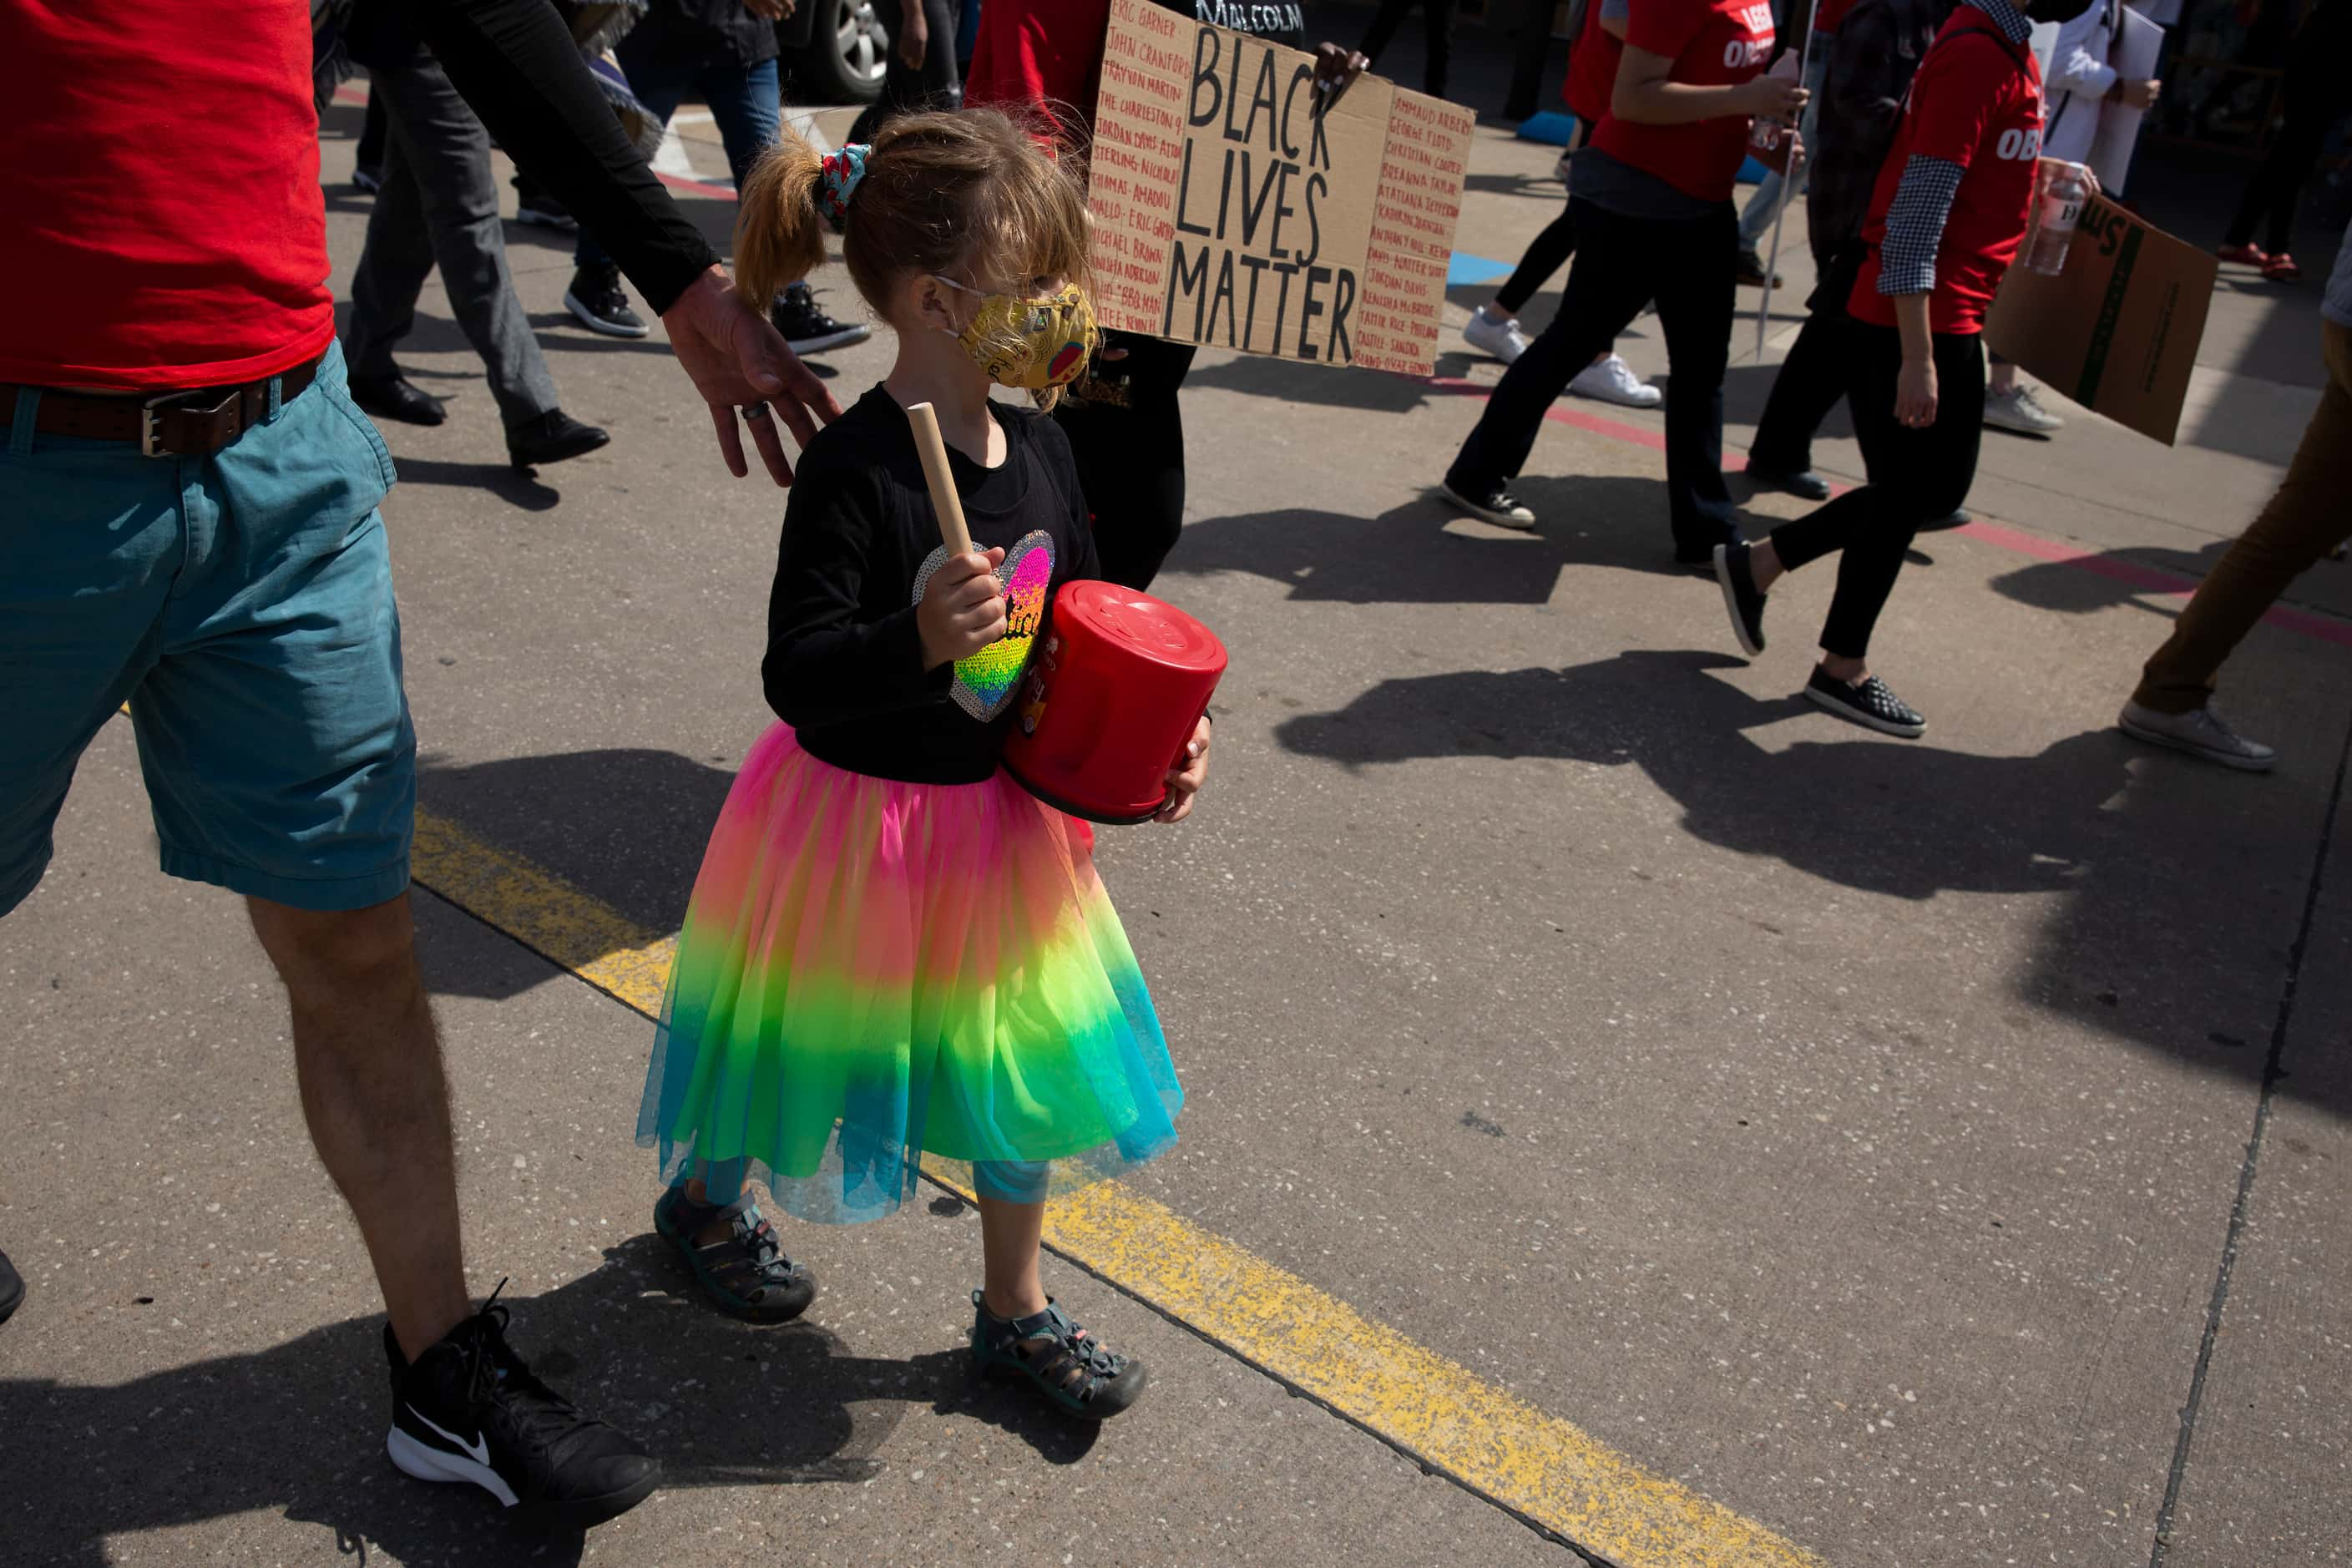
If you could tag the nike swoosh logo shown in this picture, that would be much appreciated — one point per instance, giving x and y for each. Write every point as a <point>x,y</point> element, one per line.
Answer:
<point>477,1450</point>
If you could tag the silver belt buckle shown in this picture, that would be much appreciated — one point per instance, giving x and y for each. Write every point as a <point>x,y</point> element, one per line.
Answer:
<point>147,447</point>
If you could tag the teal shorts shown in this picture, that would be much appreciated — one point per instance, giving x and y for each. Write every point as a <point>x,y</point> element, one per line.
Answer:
<point>242,604</point>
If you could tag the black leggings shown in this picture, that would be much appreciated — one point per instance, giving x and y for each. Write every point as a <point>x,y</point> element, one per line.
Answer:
<point>1437,17</point>
<point>1126,435</point>
<point>1916,476</point>
<point>1812,378</point>
<point>2277,186</point>
<point>1547,254</point>
<point>1621,264</point>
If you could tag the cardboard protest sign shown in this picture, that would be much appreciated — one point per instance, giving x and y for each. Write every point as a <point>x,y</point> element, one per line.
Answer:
<point>2118,330</point>
<point>1233,206</point>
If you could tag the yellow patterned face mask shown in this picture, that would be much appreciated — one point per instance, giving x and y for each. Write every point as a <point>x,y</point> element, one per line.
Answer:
<point>1033,345</point>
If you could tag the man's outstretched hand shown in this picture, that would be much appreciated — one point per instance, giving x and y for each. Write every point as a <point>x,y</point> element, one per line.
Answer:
<point>735,356</point>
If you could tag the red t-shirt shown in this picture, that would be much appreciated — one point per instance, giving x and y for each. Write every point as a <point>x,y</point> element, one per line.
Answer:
<point>1826,17</point>
<point>1713,43</point>
<point>1591,69</point>
<point>160,193</point>
<point>1975,101</point>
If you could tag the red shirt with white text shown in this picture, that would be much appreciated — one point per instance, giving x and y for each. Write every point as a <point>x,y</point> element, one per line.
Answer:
<point>1713,43</point>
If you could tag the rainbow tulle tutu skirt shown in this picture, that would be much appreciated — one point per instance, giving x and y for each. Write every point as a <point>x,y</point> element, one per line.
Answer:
<point>874,971</point>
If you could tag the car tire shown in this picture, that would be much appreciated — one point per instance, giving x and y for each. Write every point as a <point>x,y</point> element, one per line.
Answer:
<point>847,52</point>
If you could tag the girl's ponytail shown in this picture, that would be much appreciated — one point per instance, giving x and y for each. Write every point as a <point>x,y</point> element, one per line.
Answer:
<point>779,232</point>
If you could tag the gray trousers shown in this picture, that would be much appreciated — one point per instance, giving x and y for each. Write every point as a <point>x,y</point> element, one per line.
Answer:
<point>440,204</point>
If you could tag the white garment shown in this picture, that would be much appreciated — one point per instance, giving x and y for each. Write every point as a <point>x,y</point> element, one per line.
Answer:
<point>2079,78</point>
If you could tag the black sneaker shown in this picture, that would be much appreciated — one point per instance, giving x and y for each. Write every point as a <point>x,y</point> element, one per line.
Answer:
<point>1958,518</point>
<point>1064,1363</point>
<point>1743,601</point>
<point>469,1410</point>
<point>1493,504</point>
<point>1750,271</point>
<point>747,1275</point>
<point>550,438</point>
<point>1869,704</point>
<point>1803,483</point>
<point>601,304</point>
<point>808,329</point>
<point>12,1287</point>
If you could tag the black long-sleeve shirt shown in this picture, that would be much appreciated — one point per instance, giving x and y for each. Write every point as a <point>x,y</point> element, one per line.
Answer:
<point>517,67</point>
<point>844,661</point>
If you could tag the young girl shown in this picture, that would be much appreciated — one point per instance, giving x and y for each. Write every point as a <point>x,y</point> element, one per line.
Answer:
<point>892,950</point>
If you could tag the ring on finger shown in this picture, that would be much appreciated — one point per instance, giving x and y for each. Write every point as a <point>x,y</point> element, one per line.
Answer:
<point>752,411</point>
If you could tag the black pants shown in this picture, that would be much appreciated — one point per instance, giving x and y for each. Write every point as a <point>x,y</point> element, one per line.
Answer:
<point>905,92</point>
<point>1812,378</point>
<point>1547,254</point>
<point>1437,17</point>
<point>1916,476</point>
<point>369,153</point>
<point>1127,434</point>
<point>1622,263</point>
<point>2312,110</point>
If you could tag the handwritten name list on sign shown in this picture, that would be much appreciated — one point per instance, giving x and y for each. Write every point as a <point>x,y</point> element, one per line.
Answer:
<point>1234,207</point>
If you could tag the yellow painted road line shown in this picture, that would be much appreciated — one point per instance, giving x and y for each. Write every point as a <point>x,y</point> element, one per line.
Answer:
<point>1547,1471</point>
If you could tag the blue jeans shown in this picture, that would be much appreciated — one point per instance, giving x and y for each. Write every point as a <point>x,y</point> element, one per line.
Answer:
<point>744,101</point>
<point>242,604</point>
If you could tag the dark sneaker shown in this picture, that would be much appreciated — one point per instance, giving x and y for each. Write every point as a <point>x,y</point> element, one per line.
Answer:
<point>2199,732</point>
<point>1742,600</point>
<point>1067,1365</point>
<point>550,438</point>
<point>536,207</point>
<point>1751,270</point>
<point>393,397</point>
<point>12,1287</point>
<point>1959,517</point>
<point>469,1410</point>
<point>1497,506</point>
<point>598,301</point>
<point>747,1275</point>
<point>808,329</point>
<point>1803,483</point>
<point>1869,704</point>
<point>367,180</point>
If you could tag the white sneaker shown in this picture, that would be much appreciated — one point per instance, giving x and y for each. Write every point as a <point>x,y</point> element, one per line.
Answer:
<point>1611,379</point>
<point>2201,733</point>
<point>1494,335</point>
<point>2018,410</point>
<point>1560,169</point>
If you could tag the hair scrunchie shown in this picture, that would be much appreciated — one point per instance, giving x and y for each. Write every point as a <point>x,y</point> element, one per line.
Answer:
<point>842,171</point>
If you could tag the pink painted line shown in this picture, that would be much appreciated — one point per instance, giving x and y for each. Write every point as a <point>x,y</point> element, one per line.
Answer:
<point>2143,579</point>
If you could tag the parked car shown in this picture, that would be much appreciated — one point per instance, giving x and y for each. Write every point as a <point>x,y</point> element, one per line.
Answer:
<point>835,51</point>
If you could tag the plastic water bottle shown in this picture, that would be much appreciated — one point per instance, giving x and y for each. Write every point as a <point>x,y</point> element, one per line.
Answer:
<point>2060,190</point>
<point>1765,131</point>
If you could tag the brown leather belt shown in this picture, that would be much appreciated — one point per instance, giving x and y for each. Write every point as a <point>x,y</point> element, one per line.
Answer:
<point>192,423</point>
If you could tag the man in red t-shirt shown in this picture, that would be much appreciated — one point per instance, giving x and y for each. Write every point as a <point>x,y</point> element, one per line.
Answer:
<point>1945,222</point>
<point>192,527</point>
<point>1650,197</point>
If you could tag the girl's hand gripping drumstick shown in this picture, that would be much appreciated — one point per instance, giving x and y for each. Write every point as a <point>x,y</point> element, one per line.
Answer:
<point>963,610</point>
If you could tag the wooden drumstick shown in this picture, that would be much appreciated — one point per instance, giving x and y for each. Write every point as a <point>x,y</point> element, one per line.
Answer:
<point>940,477</point>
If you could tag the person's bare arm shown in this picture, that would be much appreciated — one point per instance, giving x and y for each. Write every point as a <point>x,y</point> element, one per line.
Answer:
<point>1646,94</point>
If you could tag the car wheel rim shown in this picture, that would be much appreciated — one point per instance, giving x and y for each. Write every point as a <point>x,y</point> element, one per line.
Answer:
<point>859,42</point>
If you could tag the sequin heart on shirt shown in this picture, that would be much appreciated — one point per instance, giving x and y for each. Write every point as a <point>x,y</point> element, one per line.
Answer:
<point>985,681</point>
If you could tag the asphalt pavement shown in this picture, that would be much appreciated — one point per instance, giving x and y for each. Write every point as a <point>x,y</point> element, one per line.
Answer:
<point>1676,1126</point>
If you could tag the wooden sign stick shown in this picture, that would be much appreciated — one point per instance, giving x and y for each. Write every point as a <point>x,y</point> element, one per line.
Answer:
<point>940,477</point>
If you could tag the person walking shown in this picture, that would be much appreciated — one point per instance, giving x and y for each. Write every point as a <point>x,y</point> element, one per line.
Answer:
<point>1599,27</point>
<point>439,205</point>
<point>1650,198</point>
<point>1871,60</point>
<point>1945,220</point>
<point>2306,520</point>
<point>922,71</point>
<point>1437,51</point>
<point>191,500</point>
<point>2318,94</point>
<point>724,51</point>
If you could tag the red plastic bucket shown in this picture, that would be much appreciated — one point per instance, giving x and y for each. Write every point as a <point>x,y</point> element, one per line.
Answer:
<point>1095,734</point>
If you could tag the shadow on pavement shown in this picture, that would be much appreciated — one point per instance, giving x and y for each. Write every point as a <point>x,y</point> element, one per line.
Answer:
<point>298,1428</point>
<point>523,490</point>
<point>2160,930</point>
<point>1415,553</point>
<point>625,825</point>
